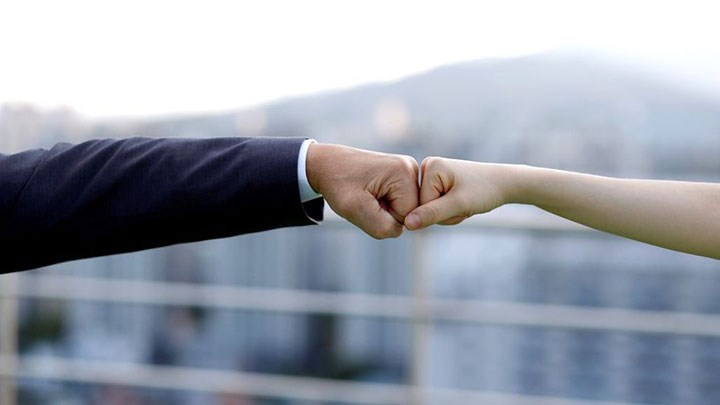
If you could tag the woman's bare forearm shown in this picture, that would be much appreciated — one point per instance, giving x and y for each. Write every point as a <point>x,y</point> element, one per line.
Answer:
<point>683,216</point>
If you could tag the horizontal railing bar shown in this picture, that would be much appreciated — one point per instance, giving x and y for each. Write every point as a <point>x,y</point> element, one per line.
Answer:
<point>255,384</point>
<point>352,304</point>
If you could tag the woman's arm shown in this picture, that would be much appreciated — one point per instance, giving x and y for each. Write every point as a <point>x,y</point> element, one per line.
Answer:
<point>683,216</point>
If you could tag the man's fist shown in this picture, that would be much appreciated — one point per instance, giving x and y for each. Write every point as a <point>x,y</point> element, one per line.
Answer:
<point>374,191</point>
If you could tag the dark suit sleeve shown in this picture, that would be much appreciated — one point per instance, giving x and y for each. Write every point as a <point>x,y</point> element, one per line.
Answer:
<point>113,196</point>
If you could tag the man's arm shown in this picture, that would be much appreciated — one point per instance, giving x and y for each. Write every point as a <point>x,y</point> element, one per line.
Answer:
<point>112,196</point>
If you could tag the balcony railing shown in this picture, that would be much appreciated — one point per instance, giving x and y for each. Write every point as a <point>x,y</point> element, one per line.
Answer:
<point>419,308</point>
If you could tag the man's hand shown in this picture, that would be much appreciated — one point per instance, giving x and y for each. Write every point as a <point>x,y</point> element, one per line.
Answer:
<point>374,191</point>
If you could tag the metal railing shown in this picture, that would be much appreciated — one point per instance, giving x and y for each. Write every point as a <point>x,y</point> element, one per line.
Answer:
<point>419,308</point>
<point>244,383</point>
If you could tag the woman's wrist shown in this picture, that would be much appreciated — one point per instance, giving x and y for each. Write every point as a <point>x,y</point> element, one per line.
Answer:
<point>516,185</point>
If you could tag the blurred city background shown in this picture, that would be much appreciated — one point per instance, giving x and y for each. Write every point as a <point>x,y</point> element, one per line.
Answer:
<point>513,307</point>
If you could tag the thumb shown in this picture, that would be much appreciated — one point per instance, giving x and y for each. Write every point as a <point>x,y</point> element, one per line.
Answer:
<point>440,210</point>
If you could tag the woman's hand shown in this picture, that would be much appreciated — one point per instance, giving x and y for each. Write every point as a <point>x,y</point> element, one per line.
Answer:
<point>453,190</point>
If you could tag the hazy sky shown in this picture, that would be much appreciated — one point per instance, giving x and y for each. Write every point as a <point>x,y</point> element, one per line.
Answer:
<point>148,57</point>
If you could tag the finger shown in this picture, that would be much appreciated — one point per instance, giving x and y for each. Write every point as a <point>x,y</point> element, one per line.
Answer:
<point>431,189</point>
<point>367,214</point>
<point>387,207</point>
<point>433,212</point>
<point>398,189</point>
<point>403,196</point>
<point>432,186</point>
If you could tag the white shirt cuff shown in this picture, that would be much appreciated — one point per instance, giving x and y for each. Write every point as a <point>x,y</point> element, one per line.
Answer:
<point>306,192</point>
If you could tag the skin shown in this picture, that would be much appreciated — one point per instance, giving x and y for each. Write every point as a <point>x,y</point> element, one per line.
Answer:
<point>683,216</point>
<point>372,190</point>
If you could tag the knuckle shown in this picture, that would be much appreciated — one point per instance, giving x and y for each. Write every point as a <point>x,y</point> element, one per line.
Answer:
<point>431,161</point>
<point>386,230</point>
<point>411,163</point>
<point>406,164</point>
<point>395,230</point>
<point>376,234</point>
<point>440,163</point>
<point>432,164</point>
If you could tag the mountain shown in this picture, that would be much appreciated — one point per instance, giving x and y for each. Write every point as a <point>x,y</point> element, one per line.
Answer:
<point>567,111</point>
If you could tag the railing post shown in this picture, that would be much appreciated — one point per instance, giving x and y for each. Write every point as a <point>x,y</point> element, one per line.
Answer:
<point>8,338</point>
<point>420,320</point>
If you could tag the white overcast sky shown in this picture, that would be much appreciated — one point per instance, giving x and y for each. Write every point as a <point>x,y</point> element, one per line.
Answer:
<point>116,58</point>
